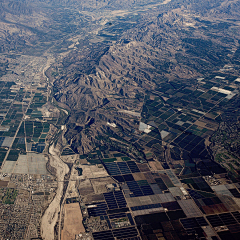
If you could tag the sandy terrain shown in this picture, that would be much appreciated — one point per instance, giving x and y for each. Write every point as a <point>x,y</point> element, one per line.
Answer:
<point>155,165</point>
<point>50,216</point>
<point>85,187</point>
<point>70,158</point>
<point>72,221</point>
<point>70,192</point>
<point>92,171</point>
<point>166,1</point>
<point>138,176</point>
<point>99,184</point>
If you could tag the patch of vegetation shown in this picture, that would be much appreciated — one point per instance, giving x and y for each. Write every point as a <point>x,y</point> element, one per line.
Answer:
<point>109,160</point>
<point>9,195</point>
<point>13,155</point>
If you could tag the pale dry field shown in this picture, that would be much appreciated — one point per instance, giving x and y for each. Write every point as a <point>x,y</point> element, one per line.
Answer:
<point>72,221</point>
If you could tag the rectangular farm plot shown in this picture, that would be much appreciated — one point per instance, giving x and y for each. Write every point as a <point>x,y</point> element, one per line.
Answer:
<point>8,167</point>
<point>216,205</point>
<point>31,163</point>
<point>118,168</point>
<point>146,209</point>
<point>126,158</point>
<point>198,183</point>
<point>156,189</point>
<point>236,215</point>
<point>112,168</point>
<point>189,223</point>
<point>215,220</point>
<point>72,221</point>
<point>144,205</point>
<point>115,200</point>
<point>13,155</point>
<point>173,178</point>
<point>6,141</point>
<point>167,180</point>
<point>143,167</point>
<point>229,203</point>
<point>176,192</point>
<point>107,160</point>
<point>19,143</point>
<point>98,209</point>
<point>222,189</point>
<point>133,167</point>
<point>111,201</point>
<point>138,176</point>
<point>153,200</point>
<point>161,184</point>
<point>139,188</point>
<point>227,218</point>
<point>3,153</point>
<point>123,233</point>
<point>149,177</point>
<point>21,131</point>
<point>124,167</point>
<point>38,147</point>
<point>189,208</point>
<point>135,189</point>
<point>21,165</point>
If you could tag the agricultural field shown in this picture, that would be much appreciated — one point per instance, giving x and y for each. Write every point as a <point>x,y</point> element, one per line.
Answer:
<point>120,119</point>
<point>24,120</point>
<point>184,116</point>
<point>104,155</point>
<point>175,205</point>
